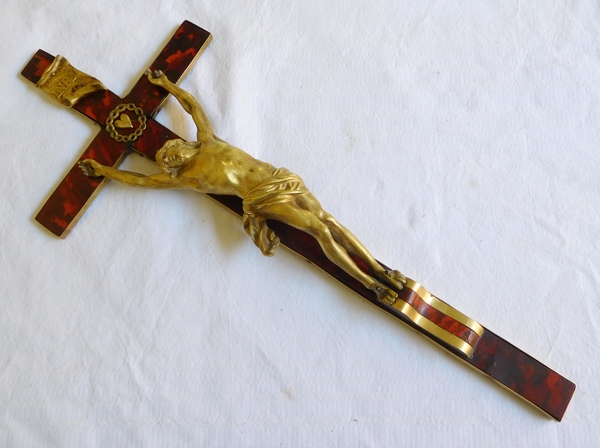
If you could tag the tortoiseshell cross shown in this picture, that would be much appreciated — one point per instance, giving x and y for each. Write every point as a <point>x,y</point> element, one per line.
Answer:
<point>127,125</point>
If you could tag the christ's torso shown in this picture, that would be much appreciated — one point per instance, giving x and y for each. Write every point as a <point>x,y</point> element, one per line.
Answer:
<point>220,168</point>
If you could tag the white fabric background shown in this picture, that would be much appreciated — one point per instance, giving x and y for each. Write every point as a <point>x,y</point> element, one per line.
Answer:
<point>458,140</point>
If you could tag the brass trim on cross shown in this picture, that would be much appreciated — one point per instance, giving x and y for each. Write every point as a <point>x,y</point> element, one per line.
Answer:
<point>66,84</point>
<point>432,328</point>
<point>443,307</point>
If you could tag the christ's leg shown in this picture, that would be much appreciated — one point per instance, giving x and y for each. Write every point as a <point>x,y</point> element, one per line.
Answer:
<point>351,244</point>
<point>354,246</point>
<point>307,222</point>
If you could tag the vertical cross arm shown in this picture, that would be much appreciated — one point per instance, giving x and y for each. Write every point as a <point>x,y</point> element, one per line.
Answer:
<point>488,354</point>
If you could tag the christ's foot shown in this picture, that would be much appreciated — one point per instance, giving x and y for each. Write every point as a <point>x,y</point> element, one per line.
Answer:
<point>384,294</point>
<point>394,278</point>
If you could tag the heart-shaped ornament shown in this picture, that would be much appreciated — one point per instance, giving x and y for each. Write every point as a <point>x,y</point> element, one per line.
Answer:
<point>123,122</point>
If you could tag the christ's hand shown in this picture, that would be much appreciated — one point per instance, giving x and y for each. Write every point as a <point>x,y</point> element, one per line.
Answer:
<point>91,168</point>
<point>157,77</point>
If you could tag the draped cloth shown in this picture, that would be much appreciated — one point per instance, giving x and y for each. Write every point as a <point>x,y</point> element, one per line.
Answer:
<point>282,187</point>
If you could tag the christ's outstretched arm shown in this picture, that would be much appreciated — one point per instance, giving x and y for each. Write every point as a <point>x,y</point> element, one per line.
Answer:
<point>162,181</point>
<point>187,101</point>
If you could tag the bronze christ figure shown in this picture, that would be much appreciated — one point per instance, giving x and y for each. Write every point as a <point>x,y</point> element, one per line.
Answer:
<point>210,165</point>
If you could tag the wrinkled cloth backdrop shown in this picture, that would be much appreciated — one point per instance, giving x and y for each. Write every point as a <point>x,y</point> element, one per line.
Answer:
<point>458,141</point>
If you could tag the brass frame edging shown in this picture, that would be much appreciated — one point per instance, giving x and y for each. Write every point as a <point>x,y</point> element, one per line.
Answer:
<point>443,307</point>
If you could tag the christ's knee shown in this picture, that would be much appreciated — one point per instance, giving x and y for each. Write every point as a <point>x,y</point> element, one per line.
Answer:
<point>337,230</point>
<point>320,232</point>
<point>328,243</point>
<point>330,222</point>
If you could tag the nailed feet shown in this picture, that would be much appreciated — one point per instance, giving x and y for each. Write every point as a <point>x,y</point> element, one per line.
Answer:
<point>394,278</point>
<point>384,294</point>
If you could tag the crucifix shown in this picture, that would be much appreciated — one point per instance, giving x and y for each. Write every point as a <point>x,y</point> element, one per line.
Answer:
<point>275,206</point>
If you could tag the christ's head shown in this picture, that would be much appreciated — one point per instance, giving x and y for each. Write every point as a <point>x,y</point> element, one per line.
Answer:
<point>174,154</point>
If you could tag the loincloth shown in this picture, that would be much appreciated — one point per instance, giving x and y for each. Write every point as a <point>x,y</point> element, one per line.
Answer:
<point>282,187</point>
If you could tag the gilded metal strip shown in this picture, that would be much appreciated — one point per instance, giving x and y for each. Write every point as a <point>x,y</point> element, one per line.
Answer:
<point>432,328</point>
<point>443,307</point>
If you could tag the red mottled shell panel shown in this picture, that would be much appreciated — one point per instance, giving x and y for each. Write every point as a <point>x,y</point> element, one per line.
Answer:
<point>72,194</point>
<point>174,60</point>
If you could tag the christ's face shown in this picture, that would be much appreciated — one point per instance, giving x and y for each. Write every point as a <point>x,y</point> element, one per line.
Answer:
<point>174,158</point>
<point>176,153</point>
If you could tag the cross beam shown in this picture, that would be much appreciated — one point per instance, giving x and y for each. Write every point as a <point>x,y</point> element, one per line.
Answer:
<point>120,119</point>
<point>112,143</point>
